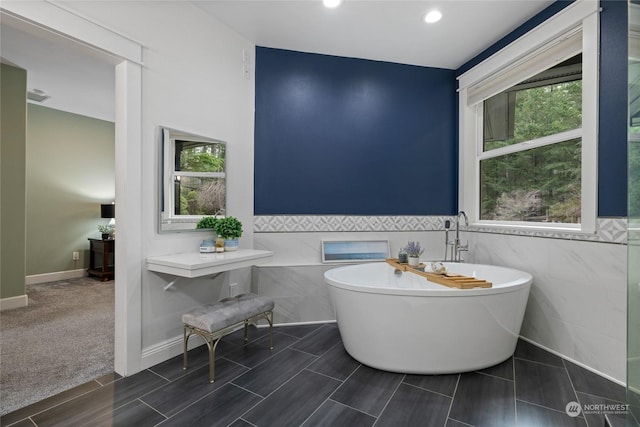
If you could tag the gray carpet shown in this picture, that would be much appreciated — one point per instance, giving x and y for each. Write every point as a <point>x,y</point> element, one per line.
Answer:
<point>64,338</point>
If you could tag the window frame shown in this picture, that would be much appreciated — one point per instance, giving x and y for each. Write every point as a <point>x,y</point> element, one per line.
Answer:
<point>169,221</point>
<point>582,17</point>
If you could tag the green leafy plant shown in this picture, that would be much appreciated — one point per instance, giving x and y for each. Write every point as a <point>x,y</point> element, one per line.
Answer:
<point>207,222</point>
<point>228,227</point>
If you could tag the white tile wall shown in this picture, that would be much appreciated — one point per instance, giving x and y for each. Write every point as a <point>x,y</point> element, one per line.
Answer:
<point>577,305</point>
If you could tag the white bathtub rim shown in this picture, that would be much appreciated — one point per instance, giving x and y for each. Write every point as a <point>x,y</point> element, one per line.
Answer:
<point>430,289</point>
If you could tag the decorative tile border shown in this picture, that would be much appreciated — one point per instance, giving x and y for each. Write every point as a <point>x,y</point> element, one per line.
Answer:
<point>335,223</point>
<point>610,230</point>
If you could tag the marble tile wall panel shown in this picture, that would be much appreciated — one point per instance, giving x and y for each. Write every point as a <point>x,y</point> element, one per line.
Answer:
<point>300,293</point>
<point>577,304</point>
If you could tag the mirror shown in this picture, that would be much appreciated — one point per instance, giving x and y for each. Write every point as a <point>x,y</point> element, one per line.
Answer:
<point>192,177</point>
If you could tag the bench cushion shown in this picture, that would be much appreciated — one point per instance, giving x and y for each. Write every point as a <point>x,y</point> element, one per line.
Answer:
<point>227,312</point>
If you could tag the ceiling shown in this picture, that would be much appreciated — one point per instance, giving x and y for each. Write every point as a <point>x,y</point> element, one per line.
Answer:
<point>391,31</point>
<point>81,81</point>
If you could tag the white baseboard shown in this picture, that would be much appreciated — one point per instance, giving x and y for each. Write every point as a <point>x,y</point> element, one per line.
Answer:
<point>14,302</point>
<point>52,277</point>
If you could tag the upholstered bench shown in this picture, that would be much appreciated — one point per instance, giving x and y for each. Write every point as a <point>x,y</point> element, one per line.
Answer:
<point>214,321</point>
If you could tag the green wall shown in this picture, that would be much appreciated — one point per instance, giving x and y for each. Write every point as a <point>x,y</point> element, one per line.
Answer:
<point>13,115</point>
<point>70,172</point>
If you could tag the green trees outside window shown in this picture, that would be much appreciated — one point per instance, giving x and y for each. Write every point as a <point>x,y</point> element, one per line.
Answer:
<point>538,178</point>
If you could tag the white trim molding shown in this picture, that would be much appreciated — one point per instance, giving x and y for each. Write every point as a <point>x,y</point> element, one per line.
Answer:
<point>14,302</point>
<point>574,29</point>
<point>55,276</point>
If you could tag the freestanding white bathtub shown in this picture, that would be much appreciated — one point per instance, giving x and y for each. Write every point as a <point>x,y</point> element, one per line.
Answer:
<point>404,323</point>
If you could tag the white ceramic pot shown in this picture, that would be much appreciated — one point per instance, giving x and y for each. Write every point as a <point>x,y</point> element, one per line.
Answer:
<point>414,261</point>
<point>230,245</point>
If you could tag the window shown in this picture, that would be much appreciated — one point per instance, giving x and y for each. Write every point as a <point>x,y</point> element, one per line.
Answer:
<point>528,128</point>
<point>193,179</point>
<point>530,165</point>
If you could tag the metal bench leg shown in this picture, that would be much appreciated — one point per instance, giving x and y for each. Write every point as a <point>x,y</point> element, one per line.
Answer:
<point>184,348</point>
<point>270,320</point>
<point>246,327</point>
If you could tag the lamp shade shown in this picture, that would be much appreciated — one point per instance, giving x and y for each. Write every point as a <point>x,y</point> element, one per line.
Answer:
<point>108,211</point>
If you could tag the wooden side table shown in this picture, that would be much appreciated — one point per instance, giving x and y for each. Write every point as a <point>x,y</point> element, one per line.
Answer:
<point>101,258</point>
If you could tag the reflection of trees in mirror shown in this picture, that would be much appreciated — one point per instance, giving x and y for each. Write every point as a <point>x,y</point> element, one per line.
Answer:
<point>202,196</point>
<point>204,157</point>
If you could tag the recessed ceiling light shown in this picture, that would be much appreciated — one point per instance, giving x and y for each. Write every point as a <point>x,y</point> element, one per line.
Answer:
<point>332,3</point>
<point>433,16</point>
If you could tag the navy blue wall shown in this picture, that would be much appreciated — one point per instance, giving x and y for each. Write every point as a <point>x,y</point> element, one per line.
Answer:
<point>347,136</point>
<point>612,147</point>
<point>353,137</point>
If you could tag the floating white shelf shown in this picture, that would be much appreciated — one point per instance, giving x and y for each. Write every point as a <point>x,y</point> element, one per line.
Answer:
<point>196,264</point>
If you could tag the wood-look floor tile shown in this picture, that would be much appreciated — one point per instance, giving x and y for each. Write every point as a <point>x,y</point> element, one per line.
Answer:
<point>332,413</point>
<point>108,378</point>
<point>596,418</point>
<point>101,401</point>
<point>527,351</point>
<point>24,423</point>
<point>219,408</point>
<point>534,416</point>
<point>241,423</point>
<point>319,341</point>
<point>543,385</point>
<point>502,370</point>
<point>177,395</point>
<point>256,352</point>
<point>134,413</point>
<point>368,390</point>
<point>443,384</point>
<point>275,371</point>
<point>298,331</point>
<point>585,381</point>
<point>294,402</point>
<point>253,334</point>
<point>484,400</point>
<point>336,363</point>
<point>47,403</point>
<point>412,406</point>
<point>454,423</point>
<point>197,357</point>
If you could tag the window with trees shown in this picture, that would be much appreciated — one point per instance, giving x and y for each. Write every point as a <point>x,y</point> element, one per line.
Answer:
<point>530,166</point>
<point>528,128</point>
<point>193,179</point>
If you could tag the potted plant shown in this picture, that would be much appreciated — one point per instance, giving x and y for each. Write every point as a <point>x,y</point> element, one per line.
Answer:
<point>230,229</point>
<point>106,230</point>
<point>414,250</point>
<point>208,245</point>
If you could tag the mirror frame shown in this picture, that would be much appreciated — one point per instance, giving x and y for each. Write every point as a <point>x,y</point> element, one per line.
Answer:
<point>168,223</point>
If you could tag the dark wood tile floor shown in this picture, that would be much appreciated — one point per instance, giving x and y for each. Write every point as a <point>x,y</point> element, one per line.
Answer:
<point>310,380</point>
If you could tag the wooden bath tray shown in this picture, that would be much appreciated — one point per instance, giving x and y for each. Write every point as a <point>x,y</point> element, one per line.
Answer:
<point>451,280</point>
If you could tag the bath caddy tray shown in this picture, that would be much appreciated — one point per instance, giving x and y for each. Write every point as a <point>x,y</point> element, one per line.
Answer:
<point>447,279</point>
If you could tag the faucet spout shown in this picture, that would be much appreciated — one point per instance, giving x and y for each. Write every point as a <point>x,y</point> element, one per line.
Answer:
<point>458,247</point>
